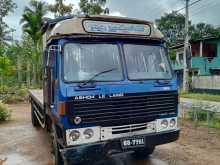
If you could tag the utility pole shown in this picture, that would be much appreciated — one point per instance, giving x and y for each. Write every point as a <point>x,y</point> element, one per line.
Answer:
<point>1,21</point>
<point>186,47</point>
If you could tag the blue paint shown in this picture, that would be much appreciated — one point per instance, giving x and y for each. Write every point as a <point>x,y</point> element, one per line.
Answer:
<point>66,91</point>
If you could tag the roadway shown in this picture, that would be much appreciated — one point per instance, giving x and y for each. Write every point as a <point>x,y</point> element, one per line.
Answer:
<point>21,144</point>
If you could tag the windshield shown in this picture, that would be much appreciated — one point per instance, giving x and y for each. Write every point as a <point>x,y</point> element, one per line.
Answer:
<point>146,62</point>
<point>83,61</point>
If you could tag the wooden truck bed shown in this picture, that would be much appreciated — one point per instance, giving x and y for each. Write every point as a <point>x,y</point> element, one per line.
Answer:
<point>37,96</point>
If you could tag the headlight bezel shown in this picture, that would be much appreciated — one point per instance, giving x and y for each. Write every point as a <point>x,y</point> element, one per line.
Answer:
<point>160,127</point>
<point>82,139</point>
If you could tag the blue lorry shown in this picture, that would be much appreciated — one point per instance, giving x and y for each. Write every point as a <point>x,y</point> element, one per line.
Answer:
<point>108,88</point>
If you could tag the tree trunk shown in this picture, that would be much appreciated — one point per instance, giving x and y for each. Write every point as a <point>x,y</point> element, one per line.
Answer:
<point>34,74</point>
<point>19,74</point>
<point>28,74</point>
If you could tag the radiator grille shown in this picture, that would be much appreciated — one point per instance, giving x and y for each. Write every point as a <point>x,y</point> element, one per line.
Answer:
<point>128,109</point>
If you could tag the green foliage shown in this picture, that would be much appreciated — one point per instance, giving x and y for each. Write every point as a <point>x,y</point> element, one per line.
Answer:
<point>172,26</point>
<point>4,33</point>
<point>94,7</point>
<point>214,118</point>
<point>31,21</point>
<point>60,9</point>
<point>200,96</point>
<point>6,69</point>
<point>5,112</point>
<point>7,6</point>
<point>13,99</point>
<point>21,64</point>
<point>32,18</point>
<point>13,95</point>
<point>172,54</point>
<point>201,115</point>
<point>203,30</point>
<point>22,92</point>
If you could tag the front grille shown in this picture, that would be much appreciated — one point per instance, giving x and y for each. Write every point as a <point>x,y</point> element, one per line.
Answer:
<point>131,128</point>
<point>129,109</point>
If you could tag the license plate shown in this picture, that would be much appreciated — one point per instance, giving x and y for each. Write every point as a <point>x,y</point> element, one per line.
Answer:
<point>133,142</point>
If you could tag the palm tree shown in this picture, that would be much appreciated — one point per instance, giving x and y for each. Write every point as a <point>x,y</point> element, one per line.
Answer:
<point>31,23</point>
<point>32,18</point>
<point>60,9</point>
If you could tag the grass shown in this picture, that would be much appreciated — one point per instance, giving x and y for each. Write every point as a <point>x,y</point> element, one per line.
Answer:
<point>214,119</point>
<point>200,96</point>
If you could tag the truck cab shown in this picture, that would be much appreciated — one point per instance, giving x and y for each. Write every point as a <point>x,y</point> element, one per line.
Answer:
<point>108,88</point>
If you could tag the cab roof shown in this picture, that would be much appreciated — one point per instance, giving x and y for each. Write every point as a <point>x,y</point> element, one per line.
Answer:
<point>70,26</point>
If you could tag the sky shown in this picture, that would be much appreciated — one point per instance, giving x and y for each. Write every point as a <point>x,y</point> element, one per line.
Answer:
<point>204,11</point>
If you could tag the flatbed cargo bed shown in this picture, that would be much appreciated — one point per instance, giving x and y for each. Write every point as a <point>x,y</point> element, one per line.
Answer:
<point>37,96</point>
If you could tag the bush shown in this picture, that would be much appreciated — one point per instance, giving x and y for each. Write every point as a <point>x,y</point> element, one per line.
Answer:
<point>214,118</point>
<point>13,99</point>
<point>5,112</point>
<point>16,95</point>
<point>4,89</point>
<point>22,92</point>
<point>201,115</point>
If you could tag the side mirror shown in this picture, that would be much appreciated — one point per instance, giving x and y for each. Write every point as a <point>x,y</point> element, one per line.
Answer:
<point>51,58</point>
<point>51,54</point>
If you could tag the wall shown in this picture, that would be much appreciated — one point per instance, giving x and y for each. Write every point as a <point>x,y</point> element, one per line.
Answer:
<point>206,82</point>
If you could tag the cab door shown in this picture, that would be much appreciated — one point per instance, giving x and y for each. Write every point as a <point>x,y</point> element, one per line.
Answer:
<point>49,76</point>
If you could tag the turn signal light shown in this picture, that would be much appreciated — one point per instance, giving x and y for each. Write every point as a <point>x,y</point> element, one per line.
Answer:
<point>62,110</point>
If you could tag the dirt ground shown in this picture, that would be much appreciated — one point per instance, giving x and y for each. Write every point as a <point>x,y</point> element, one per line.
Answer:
<point>21,144</point>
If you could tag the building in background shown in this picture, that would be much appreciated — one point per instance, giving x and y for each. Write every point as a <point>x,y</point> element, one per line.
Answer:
<point>205,63</point>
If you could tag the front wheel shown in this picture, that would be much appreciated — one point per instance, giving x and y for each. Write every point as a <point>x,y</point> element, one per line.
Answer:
<point>57,158</point>
<point>143,153</point>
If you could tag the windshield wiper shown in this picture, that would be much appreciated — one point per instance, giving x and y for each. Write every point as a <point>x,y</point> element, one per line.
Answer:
<point>96,75</point>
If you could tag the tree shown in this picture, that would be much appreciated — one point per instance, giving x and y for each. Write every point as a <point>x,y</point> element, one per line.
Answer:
<point>27,60</point>
<point>4,30</point>
<point>6,6</point>
<point>60,9</point>
<point>93,7</point>
<point>172,26</point>
<point>6,69</point>
<point>32,18</point>
<point>15,54</point>
<point>31,21</point>
<point>203,30</point>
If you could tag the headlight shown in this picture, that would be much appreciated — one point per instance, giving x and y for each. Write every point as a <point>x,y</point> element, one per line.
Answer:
<point>164,123</point>
<point>74,135</point>
<point>77,120</point>
<point>172,122</point>
<point>88,133</point>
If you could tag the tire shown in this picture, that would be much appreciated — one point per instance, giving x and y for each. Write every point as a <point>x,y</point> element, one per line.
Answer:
<point>57,158</point>
<point>109,161</point>
<point>143,153</point>
<point>34,119</point>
